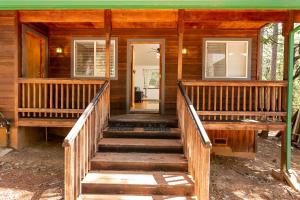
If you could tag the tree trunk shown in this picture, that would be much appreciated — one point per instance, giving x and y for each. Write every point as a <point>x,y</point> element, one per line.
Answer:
<point>274,52</point>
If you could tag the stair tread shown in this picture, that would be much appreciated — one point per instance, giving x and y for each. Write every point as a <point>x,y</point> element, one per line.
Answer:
<point>140,158</point>
<point>142,130</point>
<point>149,118</point>
<point>132,178</point>
<point>136,142</point>
<point>134,197</point>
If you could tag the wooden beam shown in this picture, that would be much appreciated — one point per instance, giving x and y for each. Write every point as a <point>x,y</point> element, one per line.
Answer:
<point>236,15</point>
<point>107,27</point>
<point>66,16</point>
<point>180,29</point>
<point>297,16</point>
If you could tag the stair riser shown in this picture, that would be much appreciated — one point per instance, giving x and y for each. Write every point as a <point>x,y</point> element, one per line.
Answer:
<point>165,135</point>
<point>183,167</point>
<point>140,149</point>
<point>89,188</point>
<point>143,124</point>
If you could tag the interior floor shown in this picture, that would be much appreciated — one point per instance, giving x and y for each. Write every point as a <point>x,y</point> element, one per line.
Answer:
<point>148,105</point>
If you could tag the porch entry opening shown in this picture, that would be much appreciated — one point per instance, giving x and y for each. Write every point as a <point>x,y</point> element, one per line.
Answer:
<point>146,77</point>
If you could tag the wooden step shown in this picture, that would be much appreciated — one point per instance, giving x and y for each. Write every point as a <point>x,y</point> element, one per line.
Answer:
<point>139,161</point>
<point>143,120</point>
<point>140,145</point>
<point>137,183</point>
<point>138,132</point>
<point>133,197</point>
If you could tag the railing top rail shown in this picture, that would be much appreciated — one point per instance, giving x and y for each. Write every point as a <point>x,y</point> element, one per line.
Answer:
<point>234,83</point>
<point>60,81</point>
<point>80,122</point>
<point>204,137</point>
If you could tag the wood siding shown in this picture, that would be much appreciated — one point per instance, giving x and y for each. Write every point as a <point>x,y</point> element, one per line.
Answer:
<point>60,65</point>
<point>241,143</point>
<point>8,63</point>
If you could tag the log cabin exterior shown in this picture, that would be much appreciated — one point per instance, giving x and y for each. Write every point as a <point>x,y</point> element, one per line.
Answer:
<point>38,87</point>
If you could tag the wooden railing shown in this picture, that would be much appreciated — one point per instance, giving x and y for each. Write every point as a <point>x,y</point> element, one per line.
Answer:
<point>196,143</point>
<point>238,100</point>
<point>81,142</point>
<point>55,98</point>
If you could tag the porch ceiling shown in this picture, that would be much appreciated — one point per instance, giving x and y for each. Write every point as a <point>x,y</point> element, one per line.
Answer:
<point>146,4</point>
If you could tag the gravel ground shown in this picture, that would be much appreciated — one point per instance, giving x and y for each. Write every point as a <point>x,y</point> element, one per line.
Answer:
<point>37,173</point>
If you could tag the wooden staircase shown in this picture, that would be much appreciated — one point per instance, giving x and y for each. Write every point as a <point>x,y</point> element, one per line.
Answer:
<point>139,159</point>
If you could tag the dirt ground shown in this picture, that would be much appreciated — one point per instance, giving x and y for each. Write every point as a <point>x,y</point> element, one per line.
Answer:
<point>37,173</point>
<point>33,173</point>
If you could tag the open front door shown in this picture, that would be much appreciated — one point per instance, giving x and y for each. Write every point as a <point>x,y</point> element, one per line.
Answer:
<point>34,54</point>
<point>145,65</point>
<point>132,78</point>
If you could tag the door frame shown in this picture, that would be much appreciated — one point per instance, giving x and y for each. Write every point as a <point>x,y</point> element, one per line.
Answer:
<point>26,28</point>
<point>161,42</point>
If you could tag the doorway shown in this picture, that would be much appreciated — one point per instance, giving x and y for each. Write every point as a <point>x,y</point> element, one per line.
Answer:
<point>146,72</point>
<point>34,53</point>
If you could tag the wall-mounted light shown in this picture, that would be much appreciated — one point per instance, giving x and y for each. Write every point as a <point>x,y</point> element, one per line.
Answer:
<point>58,50</point>
<point>184,51</point>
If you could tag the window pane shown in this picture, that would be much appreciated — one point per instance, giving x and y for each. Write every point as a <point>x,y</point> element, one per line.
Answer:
<point>84,58</point>
<point>237,59</point>
<point>100,58</point>
<point>216,59</point>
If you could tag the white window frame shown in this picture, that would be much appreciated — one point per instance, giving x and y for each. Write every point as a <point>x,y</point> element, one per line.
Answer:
<point>93,39</point>
<point>248,42</point>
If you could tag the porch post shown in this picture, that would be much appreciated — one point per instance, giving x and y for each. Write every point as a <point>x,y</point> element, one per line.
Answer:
<point>107,27</point>
<point>180,30</point>
<point>287,28</point>
<point>289,175</point>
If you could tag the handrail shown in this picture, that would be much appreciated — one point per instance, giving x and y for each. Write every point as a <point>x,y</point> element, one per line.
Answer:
<point>205,139</point>
<point>80,122</point>
<point>55,98</point>
<point>237,100</point>
<point>81,143</point>
<point>60,80</point>
<point>233,83</point>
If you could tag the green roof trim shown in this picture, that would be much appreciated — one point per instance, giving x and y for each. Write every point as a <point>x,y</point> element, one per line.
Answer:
<point>147,4</point>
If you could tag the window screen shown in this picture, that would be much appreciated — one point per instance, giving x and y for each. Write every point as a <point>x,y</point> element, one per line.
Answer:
<point>226,59</point>
<point>89,58</point>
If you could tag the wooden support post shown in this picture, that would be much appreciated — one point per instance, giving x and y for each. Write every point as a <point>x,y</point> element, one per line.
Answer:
<point>180,29</point>
<point>287,27</point>
<point>108,27</point>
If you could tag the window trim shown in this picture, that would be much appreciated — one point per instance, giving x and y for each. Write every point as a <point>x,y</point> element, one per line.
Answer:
<point>204,60</point>
<point>93,39</point>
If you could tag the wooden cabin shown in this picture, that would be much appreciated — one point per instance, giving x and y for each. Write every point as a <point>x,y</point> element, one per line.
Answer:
<point>79,69</point>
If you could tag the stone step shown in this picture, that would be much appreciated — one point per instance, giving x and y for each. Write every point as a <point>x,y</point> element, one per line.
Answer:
<point>140,145</point>
<point>137,183</point>
<point>139,161</point>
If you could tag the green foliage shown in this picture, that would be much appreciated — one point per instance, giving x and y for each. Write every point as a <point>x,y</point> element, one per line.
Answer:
<point>267,41</point>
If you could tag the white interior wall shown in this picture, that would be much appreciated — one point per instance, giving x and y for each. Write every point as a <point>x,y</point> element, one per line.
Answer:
<point>145,58</point>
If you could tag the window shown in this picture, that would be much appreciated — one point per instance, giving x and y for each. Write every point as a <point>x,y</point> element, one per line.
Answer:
<point>89,58</point>
<point>226,59</point>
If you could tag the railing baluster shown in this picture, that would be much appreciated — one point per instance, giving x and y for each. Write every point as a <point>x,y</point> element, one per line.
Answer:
<point>40,98</point>
<point>62,99</point>
<point>56,99</point>
<point>23,97</point>
<point>226,102</point>
<point>51,98</point>
<point>221,100</point>
<point>34,99</point>
<point>45,98</point>
<point>28,98</point>
<point>197,95</point>
<point>78,98</point>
